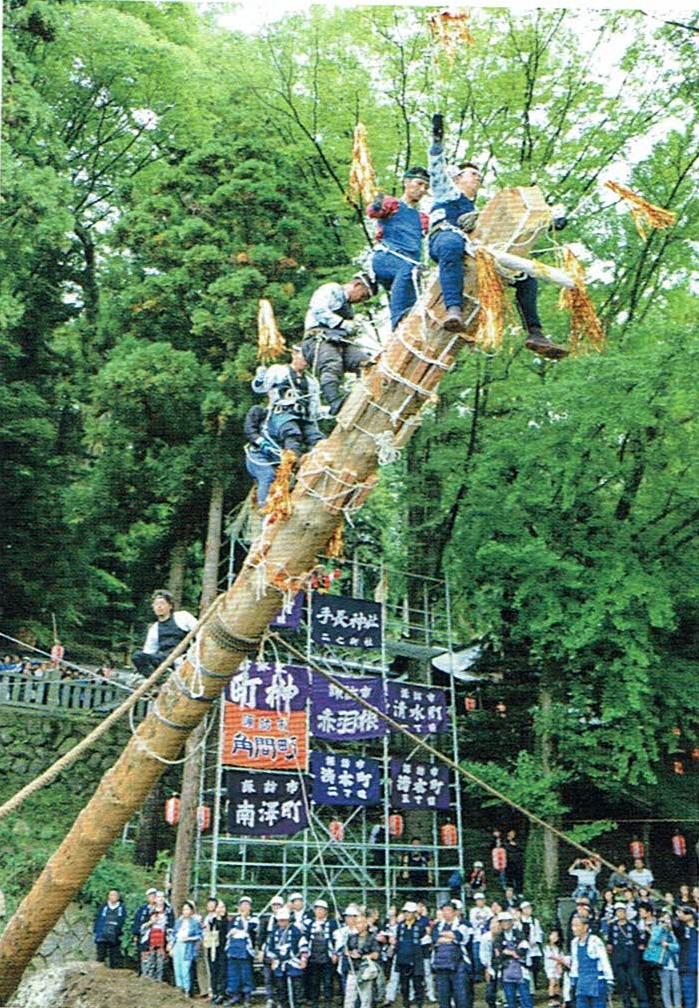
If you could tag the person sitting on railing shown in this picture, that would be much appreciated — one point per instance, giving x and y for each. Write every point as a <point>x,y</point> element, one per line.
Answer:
<point>163,635</point>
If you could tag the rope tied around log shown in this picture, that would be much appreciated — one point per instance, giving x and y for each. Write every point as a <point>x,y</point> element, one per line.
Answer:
<point>346,500</point>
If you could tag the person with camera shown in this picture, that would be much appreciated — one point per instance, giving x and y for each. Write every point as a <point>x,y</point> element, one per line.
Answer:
<point>585,871</point>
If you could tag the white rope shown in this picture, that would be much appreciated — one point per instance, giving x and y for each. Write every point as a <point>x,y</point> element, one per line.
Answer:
<point>161,759</point>
<point>194,658</point>
<point>386,450</point>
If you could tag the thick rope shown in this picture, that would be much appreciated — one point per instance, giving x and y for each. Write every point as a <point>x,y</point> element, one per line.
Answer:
<point>67,760</point>
<point>452,764</point>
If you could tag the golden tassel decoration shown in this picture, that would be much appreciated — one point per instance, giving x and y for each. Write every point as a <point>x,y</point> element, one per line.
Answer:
<point>270,342</point>
<point>362,177</point>
<point>586,332</point>
<point>449,29</point>
<point>644,214</point>
<point>336,546</point>
<point>278,503</point>
<point>491,294</point>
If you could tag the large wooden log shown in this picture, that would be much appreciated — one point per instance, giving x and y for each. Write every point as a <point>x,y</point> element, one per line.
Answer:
<point>384,406</point>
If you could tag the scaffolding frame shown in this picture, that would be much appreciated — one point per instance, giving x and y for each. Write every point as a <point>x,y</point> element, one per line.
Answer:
<point>311,861</point>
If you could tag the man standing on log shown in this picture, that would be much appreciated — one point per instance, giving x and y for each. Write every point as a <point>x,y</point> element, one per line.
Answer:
<point>163,635</point>
<point>452,218</point>
<point>289,422</point>
<point>398,252</point>
<point>328,334</point>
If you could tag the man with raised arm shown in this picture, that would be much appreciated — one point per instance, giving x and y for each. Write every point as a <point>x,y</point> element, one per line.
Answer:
<point>452,218</point>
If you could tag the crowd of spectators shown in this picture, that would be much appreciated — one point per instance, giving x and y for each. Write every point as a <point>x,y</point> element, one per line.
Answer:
<point>624,939</point>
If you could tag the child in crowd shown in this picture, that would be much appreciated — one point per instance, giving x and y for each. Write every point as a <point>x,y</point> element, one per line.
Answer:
<point>553,967</point>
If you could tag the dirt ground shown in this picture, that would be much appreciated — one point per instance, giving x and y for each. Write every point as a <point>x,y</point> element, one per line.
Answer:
<point>92,985</point>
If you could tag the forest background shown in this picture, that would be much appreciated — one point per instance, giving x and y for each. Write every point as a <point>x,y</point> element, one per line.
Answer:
<point>160,174</point>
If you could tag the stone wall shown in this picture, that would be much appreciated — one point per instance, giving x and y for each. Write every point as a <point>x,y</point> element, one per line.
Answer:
<point>71,939</point>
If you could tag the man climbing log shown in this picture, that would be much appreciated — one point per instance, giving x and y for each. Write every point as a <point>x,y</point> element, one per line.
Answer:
<point>452,218</point>
<point>329,329</point>
<point>398,251</point>
<point>289,421</point>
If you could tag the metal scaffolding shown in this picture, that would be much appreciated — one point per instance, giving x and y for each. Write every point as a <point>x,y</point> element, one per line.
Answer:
<point>366,865</point>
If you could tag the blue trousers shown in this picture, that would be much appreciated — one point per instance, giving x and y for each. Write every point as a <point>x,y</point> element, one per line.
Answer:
<point>396,276</point>
<point>689,989</point>
<point>261,471</point>
<point>447,250</point>
<point>240,977</point>
<point>511,989</point>
<point>182,967</point>
<point>588,1001</point>
<point>454,986</point>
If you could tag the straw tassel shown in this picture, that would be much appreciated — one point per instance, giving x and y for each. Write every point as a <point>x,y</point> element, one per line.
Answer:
<point>336,546</point>
<point>644,214</point>
<point>586,332</point>
<point>278,504</point>
<point>270,342</point>
<point>491,294</point>
<point>449,29</point>
<point>362,177</point>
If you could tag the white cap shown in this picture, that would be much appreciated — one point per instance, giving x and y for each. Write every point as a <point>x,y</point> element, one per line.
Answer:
<point>295,896</point>
<point>276,900</point>
<point>352,910</point>
<point>505,915</point>
<point>321,903</point>
<point>457,904</point>
<point>244,899</point>
<point>477,864</point>
<point>410,907</point>
<point>620,906</point>
<point>283,913</point>
<point>479,895</point>
<point>526,903</point>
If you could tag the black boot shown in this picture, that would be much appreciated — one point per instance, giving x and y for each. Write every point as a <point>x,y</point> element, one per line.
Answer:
<point>334,398</point>
<point>543,346</point>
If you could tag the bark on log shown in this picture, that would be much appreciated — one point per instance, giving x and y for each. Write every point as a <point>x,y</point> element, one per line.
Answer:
<point>337,474</point>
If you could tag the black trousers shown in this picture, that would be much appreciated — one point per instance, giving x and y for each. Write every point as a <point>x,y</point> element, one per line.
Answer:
<point>330,360</point>
<point>628,978</point>
<point>526,293</point>
<point>217,972</point>
<point>289,991</point>
<point>407,973</point>
<point>319,983</point>
<point>109,953</point>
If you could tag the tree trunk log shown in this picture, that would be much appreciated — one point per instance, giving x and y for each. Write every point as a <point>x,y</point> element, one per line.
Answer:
<point>178,561</point>
<point>337,474</point>
<point>183,858</point>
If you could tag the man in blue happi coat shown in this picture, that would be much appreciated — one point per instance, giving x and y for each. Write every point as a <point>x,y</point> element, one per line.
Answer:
<point>398,251</point>
<point>452,218</point>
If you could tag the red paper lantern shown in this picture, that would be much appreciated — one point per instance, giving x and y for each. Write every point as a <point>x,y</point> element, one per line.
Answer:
<point>676,731</point>
<point>203,818</point>
<point>395,825</point>
<point>695,752</point>
<point>678,767</point>
<point>498,856</point>
<point>449,834</point>
<point>470,703</point>
<point>637,849</point>
<point>172,810</point>
<point>679,845</point>
<point>336,830</point>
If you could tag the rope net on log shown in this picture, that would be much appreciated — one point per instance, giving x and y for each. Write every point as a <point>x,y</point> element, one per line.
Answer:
<point>333,483</point>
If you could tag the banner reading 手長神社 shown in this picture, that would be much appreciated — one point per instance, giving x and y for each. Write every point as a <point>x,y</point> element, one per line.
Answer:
<point>345,621</point>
